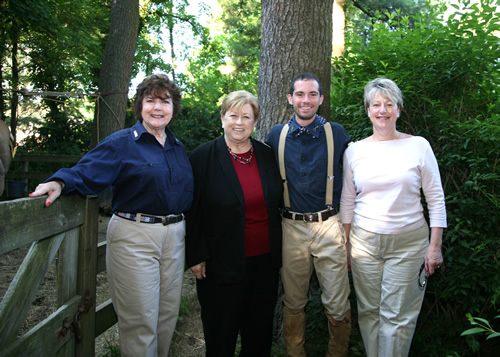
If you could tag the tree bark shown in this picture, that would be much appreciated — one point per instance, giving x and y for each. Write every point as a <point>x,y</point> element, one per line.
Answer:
<point>172,51</point>
<point>338,28</point>
<point>171,23</point>
<point>116,69</point>
<point>296,38</point>
<point>14,101</point>
<point>3,40</point>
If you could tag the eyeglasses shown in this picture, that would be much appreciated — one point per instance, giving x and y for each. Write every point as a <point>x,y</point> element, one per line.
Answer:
<point>422,277</point>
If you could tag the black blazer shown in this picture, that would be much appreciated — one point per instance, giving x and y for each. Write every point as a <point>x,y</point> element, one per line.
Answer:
<point>216,222</point>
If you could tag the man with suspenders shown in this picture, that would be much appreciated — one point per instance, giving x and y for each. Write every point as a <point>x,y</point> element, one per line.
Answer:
<point>309,151</point>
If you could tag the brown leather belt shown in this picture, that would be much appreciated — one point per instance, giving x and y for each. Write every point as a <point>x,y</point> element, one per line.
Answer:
<point>165,220</point>
<point>310,217</point>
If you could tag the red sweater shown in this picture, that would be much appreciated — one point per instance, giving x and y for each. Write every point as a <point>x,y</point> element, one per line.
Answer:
<point>256,220</point>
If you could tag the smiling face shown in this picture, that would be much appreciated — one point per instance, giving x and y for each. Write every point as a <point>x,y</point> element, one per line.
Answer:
<point>306,99</point>
<point>383,113</point>
<point>238,124</point>
<point>156,112</point>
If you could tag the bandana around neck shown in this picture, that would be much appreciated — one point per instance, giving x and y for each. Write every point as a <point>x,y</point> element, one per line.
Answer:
<point>302,129</point>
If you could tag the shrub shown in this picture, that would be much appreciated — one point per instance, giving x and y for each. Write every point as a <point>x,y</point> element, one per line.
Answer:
<point>448,71</point>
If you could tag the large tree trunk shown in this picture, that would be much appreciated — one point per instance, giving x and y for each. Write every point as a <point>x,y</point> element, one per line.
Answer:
<point>296,38</point>
<point>116,69</point>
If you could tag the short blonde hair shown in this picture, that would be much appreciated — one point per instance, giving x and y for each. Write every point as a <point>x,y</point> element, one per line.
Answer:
<point>386,88</point>
<point>238,99</point>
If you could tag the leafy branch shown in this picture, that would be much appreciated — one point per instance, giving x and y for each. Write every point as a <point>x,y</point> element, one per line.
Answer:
<point>483,326</point>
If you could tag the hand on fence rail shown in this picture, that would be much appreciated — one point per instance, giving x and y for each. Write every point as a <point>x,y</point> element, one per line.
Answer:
<point>52,188</point>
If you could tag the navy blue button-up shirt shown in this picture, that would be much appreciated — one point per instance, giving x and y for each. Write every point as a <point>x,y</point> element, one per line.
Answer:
<point>306,158</point>
<point>145,177</point>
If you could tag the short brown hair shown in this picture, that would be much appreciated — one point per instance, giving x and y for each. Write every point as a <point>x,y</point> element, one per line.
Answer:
<point>159,86</point>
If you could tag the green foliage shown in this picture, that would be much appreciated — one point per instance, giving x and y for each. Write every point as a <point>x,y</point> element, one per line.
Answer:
<point>196,125</point>
<point>483,327</point>
<point>65,53</point>
<point>242,26</point>
<point>362,14</point>
<point>59,49</point>
<point>448,71</point>
<point>163,27</point>
<point>226,62</point>
<point>199,119</point>
<point>387,7</point>
<point>186,304</point>
<point>60,42</point>
<point>62,133</point>
<point>112,348</point>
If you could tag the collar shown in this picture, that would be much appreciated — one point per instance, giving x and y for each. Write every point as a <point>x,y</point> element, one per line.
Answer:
<point>138,130</point>
<point>313,129</point>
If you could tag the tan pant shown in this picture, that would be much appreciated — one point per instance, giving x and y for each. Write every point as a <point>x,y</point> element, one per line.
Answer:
<point>385,273</point>
<point>318,245</point>
<point>145,266</point>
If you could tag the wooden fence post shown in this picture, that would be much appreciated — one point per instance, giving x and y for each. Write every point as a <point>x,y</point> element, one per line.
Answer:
<point>86,281</point>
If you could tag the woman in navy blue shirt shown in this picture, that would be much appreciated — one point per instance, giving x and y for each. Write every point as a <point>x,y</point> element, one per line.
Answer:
<point>152,186</point>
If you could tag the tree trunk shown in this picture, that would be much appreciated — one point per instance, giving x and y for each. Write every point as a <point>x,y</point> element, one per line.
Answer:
<point>170,24</point>
<point>3,45</point>
<point>14,101</point>
<point>2,97</point>
<point>296,38</point>
<point>116,69</point>
<point>338,28</point>
<point>172,51</point>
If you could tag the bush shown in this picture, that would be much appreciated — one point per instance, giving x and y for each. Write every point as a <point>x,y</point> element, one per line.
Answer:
<point>448,71</point>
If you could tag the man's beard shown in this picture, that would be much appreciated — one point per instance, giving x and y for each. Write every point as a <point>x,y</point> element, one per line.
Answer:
<point>304,118</point>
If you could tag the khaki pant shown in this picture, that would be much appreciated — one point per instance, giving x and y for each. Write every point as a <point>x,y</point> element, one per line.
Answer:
<point>318,245</point>
<point>145,266</point>
<point>385,272</point>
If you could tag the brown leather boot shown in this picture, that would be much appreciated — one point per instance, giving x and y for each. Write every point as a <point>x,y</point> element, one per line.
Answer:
<point>294,327</point>
<point>340,333</point>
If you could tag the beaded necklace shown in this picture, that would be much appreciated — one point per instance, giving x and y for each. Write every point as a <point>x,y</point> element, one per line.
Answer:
<point>240,159</point>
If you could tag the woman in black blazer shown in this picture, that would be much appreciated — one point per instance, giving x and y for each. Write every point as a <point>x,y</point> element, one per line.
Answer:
<point>233,238</point>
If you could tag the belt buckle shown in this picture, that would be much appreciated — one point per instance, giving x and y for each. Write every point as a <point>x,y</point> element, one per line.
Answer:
<point>310,217</point>
<point>171,218</point>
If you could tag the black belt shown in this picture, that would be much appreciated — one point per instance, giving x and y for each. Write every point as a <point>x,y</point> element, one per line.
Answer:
<point>165,220</point>
<point>310,217</point>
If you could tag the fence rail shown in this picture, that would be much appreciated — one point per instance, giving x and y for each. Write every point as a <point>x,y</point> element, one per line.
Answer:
<point>23,173</point>
<point>67,230</point>
<point>21,177</point>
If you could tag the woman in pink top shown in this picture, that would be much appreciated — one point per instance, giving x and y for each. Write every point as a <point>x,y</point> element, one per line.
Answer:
<point>382,213</point>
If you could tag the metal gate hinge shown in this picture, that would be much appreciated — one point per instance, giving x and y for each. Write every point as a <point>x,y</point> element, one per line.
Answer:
<point>74,323</point>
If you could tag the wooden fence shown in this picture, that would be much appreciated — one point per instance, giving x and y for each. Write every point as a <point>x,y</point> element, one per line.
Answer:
<point>20,166</point>
<point>67,232</point>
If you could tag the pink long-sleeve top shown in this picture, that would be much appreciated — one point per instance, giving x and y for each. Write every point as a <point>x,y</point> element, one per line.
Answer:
<point>382,186</point>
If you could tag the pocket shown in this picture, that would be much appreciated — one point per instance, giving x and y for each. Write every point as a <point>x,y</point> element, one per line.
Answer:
<point>111,230</point>
<point>340,228</point>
